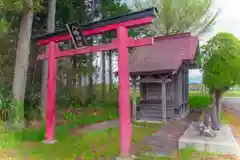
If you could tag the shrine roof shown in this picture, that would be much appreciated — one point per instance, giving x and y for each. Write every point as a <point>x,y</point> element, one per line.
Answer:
<point>166,54</point>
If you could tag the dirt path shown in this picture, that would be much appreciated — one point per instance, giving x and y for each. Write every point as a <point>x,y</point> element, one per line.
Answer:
<point>94,127</point>
<point>232,103</point>
<point>165,141</point>
<point>231,107</point>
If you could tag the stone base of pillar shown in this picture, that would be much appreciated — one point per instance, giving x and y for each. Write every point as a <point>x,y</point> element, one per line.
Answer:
<point>49,142</point>
<point>126,158</point>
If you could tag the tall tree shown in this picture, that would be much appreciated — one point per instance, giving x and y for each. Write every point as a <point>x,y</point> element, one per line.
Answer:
<point>21,63</point>
<point>221,68</point>
<point>110,8</point>
<point>50,28</point>
<point>179,16</point>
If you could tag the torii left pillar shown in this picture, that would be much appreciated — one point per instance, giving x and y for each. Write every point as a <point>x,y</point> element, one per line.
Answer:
<point>51,93</point>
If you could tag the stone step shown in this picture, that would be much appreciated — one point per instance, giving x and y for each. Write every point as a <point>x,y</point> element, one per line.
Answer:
<point>156,106</point>
<point>157,111</point>
<point>146,109</point>
<point>157,114</point>
<point>148,118</point>
<point>150,106</point>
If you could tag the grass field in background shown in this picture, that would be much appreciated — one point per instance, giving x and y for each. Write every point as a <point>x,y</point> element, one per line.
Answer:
<point>227,94</point>
<point>232,94</point>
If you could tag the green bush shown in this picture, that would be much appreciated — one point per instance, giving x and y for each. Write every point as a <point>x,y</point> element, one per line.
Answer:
<point>68,97</point>
<point>5,101</point>
<point>31,102</point>
<point>199,101</point>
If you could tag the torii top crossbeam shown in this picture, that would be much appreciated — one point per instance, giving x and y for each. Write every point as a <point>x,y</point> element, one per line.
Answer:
<point>122,43</point>
<point>129,20</point>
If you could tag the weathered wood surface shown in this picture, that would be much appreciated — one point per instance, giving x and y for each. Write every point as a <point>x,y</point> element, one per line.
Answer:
<point>164,101</point>
<point>176,95</point>
<point>155,111</point>
<point>154,91</point>
<point>134,104</point>
<point>152,80</point>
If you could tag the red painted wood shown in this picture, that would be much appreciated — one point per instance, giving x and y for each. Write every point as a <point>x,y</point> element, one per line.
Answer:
<point>121,44</point>
<point>51,92</point>
<point>85,50</point>
<point>140,42</point>
<point>131,23</point>
<point>124,92</point>
<point>101,47</point>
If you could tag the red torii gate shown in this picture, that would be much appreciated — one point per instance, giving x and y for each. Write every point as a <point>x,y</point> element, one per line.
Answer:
<point>121,44</point>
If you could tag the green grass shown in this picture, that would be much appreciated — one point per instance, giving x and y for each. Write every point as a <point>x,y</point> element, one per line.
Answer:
<point>87,116</point>
<point>186,154</point>
<point>199,100</point>
<point>88,146</point>
<point>232,94</point>
<point>155,158</point>
<point>194,93</point>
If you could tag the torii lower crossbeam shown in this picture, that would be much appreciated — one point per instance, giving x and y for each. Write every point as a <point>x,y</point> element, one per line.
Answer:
<point>122,43</point>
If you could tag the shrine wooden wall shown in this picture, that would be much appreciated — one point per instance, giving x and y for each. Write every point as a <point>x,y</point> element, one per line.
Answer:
<point>176,95</point>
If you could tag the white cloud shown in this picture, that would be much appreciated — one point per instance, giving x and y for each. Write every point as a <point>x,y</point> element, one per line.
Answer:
<point>228,19</point>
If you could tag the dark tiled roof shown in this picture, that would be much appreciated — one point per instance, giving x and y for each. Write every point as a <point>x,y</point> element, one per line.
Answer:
<point>167,54</point>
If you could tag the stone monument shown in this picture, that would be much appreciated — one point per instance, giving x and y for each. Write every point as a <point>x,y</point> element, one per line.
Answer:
<point>202,137</point>
<point>223,143</point>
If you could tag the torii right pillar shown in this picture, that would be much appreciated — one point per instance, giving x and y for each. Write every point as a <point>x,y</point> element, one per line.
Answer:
<point>123,42</point>
<point>124,93</point>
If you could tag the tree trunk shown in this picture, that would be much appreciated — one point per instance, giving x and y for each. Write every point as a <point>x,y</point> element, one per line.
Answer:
<point>110,70</point>
<point>90,77</point>
<point>214,116</point>
<point>73,75</point>
<point>50,28</point>
<point>103,75</point>
<point>21,65</point>
<point>217,97</point>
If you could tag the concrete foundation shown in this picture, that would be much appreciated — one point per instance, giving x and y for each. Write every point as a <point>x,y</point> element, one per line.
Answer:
<point>223,144</point>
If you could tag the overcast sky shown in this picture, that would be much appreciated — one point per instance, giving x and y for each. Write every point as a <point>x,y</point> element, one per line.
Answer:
<point>229,17</point>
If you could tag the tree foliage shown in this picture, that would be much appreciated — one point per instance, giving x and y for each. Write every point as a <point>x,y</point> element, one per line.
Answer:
<point>221,62</point>
<point>221,68</point>
<point>9,9</point>
<point>176,16</point>
<point>75,67</point>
